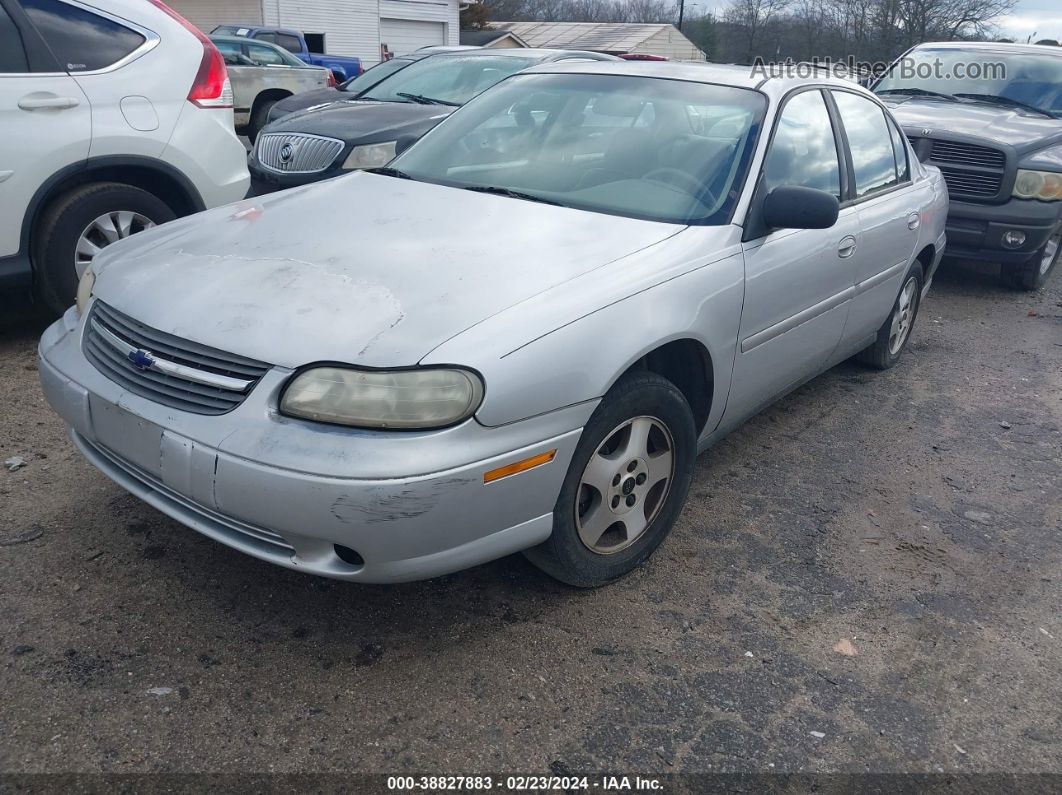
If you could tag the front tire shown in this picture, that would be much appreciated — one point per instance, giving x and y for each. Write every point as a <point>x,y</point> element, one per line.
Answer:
<point>78,225</point>
<point>625,486</point>
<point>1033,274</point>
<point>259,117</point>
<point>895,332</point>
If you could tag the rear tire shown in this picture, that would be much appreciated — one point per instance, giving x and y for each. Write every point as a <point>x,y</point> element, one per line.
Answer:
<point>1033,274</point>
<point>895,332</point>
<point>643,438</point>
<point>67,220</point>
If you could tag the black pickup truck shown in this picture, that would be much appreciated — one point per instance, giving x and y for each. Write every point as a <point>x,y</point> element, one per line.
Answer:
<point>989,116</point>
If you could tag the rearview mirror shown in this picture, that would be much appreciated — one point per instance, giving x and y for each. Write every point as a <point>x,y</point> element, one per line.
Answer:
<point>794,207</point>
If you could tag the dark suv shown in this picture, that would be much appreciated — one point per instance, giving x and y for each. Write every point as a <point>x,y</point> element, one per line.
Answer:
<point>989,116</point>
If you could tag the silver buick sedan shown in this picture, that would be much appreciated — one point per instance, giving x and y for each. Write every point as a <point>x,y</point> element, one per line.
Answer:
<point>542,312</point>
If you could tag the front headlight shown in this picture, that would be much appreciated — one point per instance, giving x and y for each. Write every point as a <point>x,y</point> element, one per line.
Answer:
<point>1042,185</point>
<point>415,398</point>
<point>370,155</point>
<point>84,288</point>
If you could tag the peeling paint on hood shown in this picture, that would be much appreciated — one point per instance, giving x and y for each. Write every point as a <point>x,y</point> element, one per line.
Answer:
<point>297,277</point>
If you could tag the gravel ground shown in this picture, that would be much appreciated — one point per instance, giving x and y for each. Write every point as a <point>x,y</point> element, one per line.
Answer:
<point>911,519</point>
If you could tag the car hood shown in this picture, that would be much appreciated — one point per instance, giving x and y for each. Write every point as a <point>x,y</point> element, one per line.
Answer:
<point>291,278</point>
<point>307,99</point>
<point>355,120</point>
<point>993,123</point>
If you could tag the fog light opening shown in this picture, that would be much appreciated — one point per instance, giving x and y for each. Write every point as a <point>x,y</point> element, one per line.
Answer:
<point>1013,238</point>
<point>348,555</point>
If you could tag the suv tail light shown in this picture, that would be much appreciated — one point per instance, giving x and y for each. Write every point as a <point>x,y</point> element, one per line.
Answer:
<point>211,87</point>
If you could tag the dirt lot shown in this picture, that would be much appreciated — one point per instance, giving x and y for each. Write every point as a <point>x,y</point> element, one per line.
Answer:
<point>916,514</point>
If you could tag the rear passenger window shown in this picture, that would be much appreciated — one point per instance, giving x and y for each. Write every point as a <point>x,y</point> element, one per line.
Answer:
<point>873,155</point>
<point>12,54</point>
<point>899,147</point>
<point>80,40</point>
<point>804,151</point>
<point>289,42</point>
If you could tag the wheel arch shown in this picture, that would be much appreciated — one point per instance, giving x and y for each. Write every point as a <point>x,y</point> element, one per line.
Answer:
<point>269,94</point>
<point>151,174</point>
<point>687,363</point>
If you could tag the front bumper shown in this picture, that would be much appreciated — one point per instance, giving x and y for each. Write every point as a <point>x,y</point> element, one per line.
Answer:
<point>264,181</point>
<point>411,505</point>
<point>975,231</point>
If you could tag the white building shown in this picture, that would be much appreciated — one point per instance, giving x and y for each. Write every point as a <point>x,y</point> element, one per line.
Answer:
<point>363,28</point>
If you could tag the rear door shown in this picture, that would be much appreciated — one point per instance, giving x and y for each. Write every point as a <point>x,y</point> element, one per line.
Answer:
<point>888,211</point>
<point>136,83</point>
<point>44,117</point>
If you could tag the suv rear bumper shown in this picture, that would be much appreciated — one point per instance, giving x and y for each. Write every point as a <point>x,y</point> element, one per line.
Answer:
<point>975,231</point>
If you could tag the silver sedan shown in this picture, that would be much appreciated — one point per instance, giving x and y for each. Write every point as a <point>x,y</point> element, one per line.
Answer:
<point>538,317</point>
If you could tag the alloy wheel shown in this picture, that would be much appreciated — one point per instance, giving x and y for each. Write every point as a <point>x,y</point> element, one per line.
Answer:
<point>108,228</point>
<point>1050,252</point>
<point>903,316</point>
<point>624,485</point>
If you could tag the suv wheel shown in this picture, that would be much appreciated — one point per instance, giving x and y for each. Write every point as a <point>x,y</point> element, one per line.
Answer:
<point>625,486</point>
<point>78,225</point>
<point>896,330</point>
<point>1032,274</point>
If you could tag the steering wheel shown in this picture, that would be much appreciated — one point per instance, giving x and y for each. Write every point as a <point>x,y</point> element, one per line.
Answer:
<point>680,179</point>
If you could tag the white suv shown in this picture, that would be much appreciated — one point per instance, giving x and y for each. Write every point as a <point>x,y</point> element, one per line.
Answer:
<point>116,115</point>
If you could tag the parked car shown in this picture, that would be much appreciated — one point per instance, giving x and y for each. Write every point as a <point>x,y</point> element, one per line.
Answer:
<point>262,75</point>
<point>997,137</point>
<point>328,140</point>
<point>295,42</point>
<point>116,117</point>
<point>538,316</point>
<point>355,86</point>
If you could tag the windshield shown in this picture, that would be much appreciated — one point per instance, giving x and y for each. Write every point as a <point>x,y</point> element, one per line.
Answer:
<point>1022,78</point>
<point>642,147</point>
<point>448,79</point>
<point>376,74</point>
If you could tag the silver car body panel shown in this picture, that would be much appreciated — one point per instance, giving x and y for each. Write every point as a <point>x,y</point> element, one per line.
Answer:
<point>249,82</point>
<point>550,305</point>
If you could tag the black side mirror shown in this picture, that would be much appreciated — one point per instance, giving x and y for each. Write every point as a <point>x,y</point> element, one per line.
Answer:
<point>403,143</point>
<point>793,207</point>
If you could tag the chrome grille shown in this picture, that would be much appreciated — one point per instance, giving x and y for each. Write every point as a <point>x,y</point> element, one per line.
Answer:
<point>971,183</point>
<point>168,370</point>
<point>296,153</point>
<point>967,154</point>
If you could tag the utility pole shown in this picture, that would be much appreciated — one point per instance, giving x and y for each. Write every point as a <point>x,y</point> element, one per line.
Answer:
<point>682,11</point>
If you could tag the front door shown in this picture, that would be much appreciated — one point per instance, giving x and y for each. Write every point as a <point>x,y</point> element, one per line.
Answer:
<point>798,282</point>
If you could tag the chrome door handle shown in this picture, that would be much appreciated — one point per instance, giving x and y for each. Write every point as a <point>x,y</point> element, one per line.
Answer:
<point>846,247</point>
<point>913,221</point>
<point>50,103</point>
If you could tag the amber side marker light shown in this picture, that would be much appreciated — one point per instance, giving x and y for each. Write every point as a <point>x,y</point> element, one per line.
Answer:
<point>519,466</point>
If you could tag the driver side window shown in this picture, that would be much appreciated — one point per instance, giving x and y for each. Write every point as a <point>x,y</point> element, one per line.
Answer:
<point>804,151</point>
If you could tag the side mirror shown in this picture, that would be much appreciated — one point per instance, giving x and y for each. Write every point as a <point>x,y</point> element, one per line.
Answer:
<point>793,207</point>
<point>403,143</point>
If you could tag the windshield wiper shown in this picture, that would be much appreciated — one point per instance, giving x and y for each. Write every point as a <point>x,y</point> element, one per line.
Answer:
<point>512,194</point>
<point>389,172</point>
<point>1014,103</point>
<point>918,92</point>
<point>420,99</point>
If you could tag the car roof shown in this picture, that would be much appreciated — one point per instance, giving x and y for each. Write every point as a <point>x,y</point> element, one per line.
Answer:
<point>774,84</point>
<point>992,46</point>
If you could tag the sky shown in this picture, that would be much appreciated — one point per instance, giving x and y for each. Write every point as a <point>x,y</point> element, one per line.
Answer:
<point>1040,17</point>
